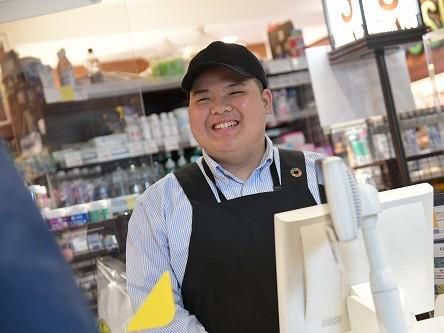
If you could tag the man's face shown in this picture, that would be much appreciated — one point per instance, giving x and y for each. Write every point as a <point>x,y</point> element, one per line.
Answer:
<point>228,114</point>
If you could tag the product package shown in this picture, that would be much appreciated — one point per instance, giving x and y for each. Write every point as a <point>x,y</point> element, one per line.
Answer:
<point>114,308</point>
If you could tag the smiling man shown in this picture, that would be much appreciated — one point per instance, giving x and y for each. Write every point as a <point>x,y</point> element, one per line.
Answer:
<point>210,224</point>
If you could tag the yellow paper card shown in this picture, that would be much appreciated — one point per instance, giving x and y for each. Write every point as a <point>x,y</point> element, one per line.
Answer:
<point>67,93</point>
<point>158,309</point>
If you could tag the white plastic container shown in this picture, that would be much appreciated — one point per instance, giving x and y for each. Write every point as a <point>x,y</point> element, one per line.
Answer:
<point>78,215</point>
<point>57,219</point>
<point>98,211</point>
<point>156,131</point>
<point>165,125</point>
<point>144,124</point>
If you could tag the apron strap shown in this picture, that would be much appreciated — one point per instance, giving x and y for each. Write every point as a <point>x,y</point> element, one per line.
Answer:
<point>211,176</point>
<point>194,184</point>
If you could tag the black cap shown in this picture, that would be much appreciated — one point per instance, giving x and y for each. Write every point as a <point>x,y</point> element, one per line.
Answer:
<point>232,56</point>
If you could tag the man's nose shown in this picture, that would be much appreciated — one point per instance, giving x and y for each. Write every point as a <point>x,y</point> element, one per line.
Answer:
<point>220,106</point>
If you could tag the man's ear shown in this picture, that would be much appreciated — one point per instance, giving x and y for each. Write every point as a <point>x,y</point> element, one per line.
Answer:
<point>267,100</point>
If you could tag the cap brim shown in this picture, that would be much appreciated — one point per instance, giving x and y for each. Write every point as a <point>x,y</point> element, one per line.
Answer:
<point>190,76</point>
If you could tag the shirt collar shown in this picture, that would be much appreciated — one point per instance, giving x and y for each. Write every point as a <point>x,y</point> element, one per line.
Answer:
<point>223,175</point>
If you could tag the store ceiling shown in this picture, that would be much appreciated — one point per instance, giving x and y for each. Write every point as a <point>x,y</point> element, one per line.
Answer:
<point>122,29</point>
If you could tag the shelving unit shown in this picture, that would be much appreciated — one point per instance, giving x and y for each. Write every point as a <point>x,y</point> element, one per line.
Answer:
<point>117,87</point>
<point>84,264</point>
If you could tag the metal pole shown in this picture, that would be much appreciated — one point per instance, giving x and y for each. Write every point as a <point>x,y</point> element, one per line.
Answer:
<point>392,117</point>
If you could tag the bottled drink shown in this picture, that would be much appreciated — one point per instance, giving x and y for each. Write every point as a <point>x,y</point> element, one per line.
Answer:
<point>182,161</point>
<point>146,175</point>
<point>170,165</point>
<point>135,186</point>
<point>65,70</point>
<point>197,153</point>
<point>93,67</point>
<point>158,171</point>
<point>119,182</point>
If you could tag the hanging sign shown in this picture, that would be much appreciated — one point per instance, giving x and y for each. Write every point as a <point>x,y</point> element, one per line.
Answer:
<point>346,24</point>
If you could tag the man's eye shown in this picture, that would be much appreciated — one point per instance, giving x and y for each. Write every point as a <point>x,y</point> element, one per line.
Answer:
<point>202,100</point>
<point>237,92</point>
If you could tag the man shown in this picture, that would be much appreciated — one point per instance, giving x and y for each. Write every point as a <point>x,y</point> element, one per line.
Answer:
<point>211,223</point>
<point>38,291</point>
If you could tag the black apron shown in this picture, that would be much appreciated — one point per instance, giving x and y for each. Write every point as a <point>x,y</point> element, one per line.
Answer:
<point>230,277</point>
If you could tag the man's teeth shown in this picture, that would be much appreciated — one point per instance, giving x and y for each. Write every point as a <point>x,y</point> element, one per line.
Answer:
<point>225,125</point>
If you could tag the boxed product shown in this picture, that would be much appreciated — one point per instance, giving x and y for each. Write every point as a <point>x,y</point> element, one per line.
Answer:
<point>110,140</point>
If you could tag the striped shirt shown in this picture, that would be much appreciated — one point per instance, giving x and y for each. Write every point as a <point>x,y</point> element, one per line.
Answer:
<point>160,228</point>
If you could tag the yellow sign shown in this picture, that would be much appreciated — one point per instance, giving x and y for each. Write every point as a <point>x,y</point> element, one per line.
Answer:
<point>158,309</point>
<point>103,327</point>
<point>67,93</point>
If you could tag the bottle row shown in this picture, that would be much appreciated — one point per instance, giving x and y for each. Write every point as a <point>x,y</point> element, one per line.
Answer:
<point>82,185</point>
<point>367,141</point>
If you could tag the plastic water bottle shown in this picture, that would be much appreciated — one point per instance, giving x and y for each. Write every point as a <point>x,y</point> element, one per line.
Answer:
<point>170,165</point>
<point>182,161</point>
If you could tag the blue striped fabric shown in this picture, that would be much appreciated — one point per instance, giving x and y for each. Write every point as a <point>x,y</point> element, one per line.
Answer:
<point>160,228</point>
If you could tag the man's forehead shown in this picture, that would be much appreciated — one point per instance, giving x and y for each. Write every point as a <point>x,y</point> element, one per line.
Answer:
<point>216,75</point>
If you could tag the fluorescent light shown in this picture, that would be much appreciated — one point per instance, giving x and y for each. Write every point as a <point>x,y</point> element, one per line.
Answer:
<point>11,10</point>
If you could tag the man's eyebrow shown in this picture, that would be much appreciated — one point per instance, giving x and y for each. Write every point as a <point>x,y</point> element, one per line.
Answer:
<point>197,92</point>
<point>236,83</point>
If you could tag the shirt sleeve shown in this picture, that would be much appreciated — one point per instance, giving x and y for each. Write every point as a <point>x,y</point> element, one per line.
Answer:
<point>315,179</point>
<point>147,258</point>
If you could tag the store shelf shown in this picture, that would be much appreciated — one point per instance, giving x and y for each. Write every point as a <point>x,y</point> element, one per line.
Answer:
<point>369,165</point>
<point>91,255</point>
<point>290,71</point>
<point>281,120</point>
<point>74,159</point>
<point>286,65</point>
<point>110,89</point>
<point>433,180</point>
<point>92,226</point>
<point>425,155</point>
<point>289,80</point>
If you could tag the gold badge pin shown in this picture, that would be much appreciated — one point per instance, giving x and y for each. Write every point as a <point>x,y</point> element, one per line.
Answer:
<point>296,172</point>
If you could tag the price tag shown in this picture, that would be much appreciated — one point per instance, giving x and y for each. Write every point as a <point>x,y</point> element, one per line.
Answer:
<point>192,141</point>
<point>67,93</point>
<point>150,147</point>
<point>171,143</point>
<point>135,148</point>
<point>73,159</point>
<point>131,202</point>
<point>104,154</point>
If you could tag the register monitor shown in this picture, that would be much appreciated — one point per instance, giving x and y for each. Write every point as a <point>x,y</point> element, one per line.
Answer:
<point>313,287</point>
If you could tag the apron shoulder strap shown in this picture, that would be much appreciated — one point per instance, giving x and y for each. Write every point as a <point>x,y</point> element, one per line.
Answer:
<point>293,170</point>
<point>194,184</point>
<point>292,164</point>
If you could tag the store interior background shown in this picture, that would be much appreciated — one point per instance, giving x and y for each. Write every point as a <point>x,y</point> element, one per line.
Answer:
<point>129,38</point>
